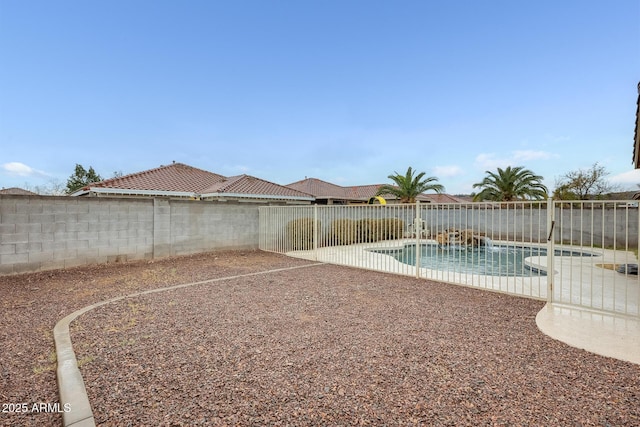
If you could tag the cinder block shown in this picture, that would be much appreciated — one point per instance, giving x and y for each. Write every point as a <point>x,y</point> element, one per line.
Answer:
<point>30,208</point>
<point>107,235</point>
<point>48,227</point>
<point>14,238</point>
<point>98,226</point>
<point>40,237</point>
<point>28,228</point>
<point>40,257</point>
<point>99,243</point>
<point>79,245</point>
<point>87,235</point>
<point>56,208</point>
<point>28,247</point>
<point>66,217</point>
<point>17,218</point>
<point>65,254</point>
<point>79,208</point>
<point>65,236</point>
<point>7,228</point>
<point>54,246</point>
<point>77,226</point>
<point>7,207</point>
<point>14,258</point>
<point>7,248</point>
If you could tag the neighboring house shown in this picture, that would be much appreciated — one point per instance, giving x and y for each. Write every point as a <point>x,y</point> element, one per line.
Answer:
<point>636,140</point>
<point>636,136</point>
<point>180,181</point>
<point>327,193</point>
<point>15,191</point>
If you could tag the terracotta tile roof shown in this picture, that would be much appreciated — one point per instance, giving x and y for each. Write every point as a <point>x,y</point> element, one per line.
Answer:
<point>363,192</point>
<point>250,185</point>
<point>357,193</point>
<point>174,177</point>
<point>319,188</point>
<point>17,192</point>
<point>178,179</point>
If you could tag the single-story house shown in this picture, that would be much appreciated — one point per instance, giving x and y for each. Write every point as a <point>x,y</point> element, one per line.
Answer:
<point>327,193</point>
<point>15,191</point>
<point>180,181</point>
<point>636,136</point>
<point>636,140</point>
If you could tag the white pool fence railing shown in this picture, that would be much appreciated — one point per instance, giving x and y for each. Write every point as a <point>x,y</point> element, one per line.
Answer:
<point>579,253</point>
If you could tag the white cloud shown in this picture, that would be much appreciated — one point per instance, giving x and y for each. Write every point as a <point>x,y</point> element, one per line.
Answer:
<point>527,155</point>
<point>629,177</point>
<point>20,169</point>
<point>447,171</point>
<point>489,161</point>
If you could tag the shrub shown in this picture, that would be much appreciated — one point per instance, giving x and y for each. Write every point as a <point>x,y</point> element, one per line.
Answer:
<point>300,233</point>
<point>343,232</point>
<point>390,228</point>
<point>368,230</point>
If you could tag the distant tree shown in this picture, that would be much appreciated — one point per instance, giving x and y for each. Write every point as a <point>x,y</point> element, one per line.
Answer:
<point>81,178</point>
<point>408,187</point>
<point>584,184</point>
<point>511,184</point>
<point>53,188</point>
<point>117,174</point>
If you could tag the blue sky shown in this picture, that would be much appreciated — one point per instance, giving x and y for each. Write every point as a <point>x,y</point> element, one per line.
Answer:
<point>345,91</point>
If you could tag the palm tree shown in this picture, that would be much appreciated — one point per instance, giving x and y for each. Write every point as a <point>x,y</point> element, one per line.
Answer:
<point>511,184</point>
<point>408,187</point>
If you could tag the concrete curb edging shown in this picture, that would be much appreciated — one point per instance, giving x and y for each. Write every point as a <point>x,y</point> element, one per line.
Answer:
<point>71,387</point>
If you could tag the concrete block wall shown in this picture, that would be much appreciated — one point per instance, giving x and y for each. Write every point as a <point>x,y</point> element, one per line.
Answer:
<point>205,226</point>
<point>44,232</point>
<point>601,227</point>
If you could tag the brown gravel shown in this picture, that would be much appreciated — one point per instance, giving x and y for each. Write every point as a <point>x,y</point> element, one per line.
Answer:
<point>321,345</point>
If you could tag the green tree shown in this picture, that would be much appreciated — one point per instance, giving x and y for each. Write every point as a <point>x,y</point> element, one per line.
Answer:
<point>584,184</point>
<point>81,178</point>
<point>408,187</point>
<point>511,184</point>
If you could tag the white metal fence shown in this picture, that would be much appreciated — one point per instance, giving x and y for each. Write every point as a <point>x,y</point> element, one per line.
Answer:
<point>591,247</point>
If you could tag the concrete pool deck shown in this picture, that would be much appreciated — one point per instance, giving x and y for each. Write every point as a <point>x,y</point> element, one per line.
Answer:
<point>569,319</point>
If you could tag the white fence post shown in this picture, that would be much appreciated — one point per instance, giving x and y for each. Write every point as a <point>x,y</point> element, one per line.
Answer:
<point>551,222</point>
<point>315,232</point>
<point>417,229</point>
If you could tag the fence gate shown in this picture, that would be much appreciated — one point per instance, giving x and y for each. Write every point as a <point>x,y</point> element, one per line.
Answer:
<point>591,247</point>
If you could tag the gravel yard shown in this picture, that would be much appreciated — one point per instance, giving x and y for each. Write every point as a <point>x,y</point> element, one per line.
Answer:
<point>319,345</point>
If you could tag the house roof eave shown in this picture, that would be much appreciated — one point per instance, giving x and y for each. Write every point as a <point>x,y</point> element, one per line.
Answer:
<point>255,196</point>
<point>133,192</point>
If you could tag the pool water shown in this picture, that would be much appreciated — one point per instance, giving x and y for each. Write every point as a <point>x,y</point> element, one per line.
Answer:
<point>497,260</point>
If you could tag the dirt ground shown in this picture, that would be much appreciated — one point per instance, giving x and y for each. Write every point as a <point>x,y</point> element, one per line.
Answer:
<point>319,345</point>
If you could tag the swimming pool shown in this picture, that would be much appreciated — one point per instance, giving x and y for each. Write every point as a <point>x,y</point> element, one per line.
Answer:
<point>495,260</point>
